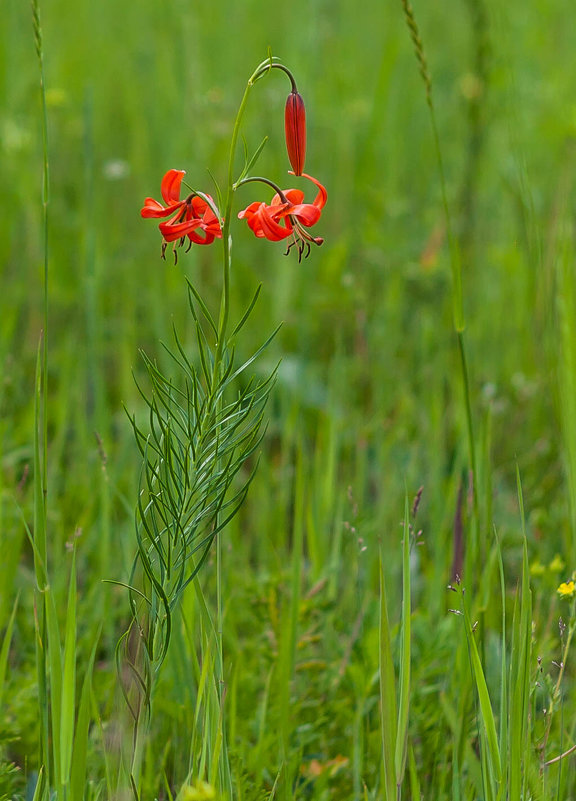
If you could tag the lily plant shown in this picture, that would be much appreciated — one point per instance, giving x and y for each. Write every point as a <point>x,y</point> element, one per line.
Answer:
<point>202,425</point>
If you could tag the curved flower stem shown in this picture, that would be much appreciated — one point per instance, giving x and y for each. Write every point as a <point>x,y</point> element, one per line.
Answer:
<point>259,179</point>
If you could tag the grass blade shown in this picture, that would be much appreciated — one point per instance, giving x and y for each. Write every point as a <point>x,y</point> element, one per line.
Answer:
<point>388,714</point>
<point>405,640</point>
<point>68,680</point>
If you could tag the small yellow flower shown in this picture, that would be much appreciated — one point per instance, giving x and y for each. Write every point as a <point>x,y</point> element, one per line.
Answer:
<point>199,791</point>
<point>557,564</point>
<point>537,568</point>
<point>567,589</point>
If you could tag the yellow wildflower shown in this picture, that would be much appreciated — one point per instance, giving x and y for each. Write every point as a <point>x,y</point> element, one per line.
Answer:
<point>567,589</point>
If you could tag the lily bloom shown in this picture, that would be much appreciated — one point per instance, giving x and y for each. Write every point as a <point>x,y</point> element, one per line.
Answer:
<point>287,216</point>
<point>192,217</point>
<point>295,131</point>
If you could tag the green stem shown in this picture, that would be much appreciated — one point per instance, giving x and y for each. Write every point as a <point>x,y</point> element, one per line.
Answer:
<point>216,371</point>
<point>226,236</point>
<point>455,261</point>
<point>556,691</point>
<point>41,451</point>
<point>471,445</point>
<point>262,69</point>
<point>455,265</point>
<point>261,180</point>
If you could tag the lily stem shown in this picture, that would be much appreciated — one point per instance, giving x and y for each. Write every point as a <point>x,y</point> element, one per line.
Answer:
<point>262,69</point>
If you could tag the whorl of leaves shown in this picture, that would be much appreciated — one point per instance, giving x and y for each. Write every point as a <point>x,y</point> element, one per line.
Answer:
<point>199,435</point>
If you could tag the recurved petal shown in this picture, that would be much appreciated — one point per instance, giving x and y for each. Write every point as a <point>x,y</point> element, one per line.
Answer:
<point>249,211</point>
<point>173,231</point>
<point>170,186</point>
<point>195,237</point>
<point>154,209</point>
<point>292,195</point>
<point>322,196</point>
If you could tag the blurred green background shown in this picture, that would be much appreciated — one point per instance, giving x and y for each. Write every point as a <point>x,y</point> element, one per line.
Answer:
<point>369,385</point>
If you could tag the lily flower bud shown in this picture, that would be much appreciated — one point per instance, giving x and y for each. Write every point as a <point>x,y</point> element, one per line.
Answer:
<point>295,129</point>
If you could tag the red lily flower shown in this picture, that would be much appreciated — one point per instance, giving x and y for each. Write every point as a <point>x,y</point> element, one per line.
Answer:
<point>287,216</point>
<point>191,215</point>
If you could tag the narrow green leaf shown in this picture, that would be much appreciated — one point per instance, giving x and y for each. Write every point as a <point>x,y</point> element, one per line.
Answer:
<point>520,672</point>
<point>484,700</point>
<point>199,300</point>
<point>39,791</point>
<point>54,662</point>
<point>5,650</point>
<point>253,358</point>
<point>80,752</point>
<point>249,164</point>
<point>69,680</point>
<point>248,311</point>
<point>405,640</point>
<point>39,528</point>
<point>388,719</point>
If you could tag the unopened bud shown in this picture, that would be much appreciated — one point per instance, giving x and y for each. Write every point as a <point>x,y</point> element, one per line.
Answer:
<point>295,128</point>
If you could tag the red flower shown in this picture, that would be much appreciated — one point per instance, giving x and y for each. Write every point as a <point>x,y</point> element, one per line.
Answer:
<point>191,216</point>
<point>295,130</point>
<point>287,216</point>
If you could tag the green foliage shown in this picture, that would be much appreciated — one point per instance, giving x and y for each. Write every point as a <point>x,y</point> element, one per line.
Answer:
<point>367,401</point>
<point>199,436</point>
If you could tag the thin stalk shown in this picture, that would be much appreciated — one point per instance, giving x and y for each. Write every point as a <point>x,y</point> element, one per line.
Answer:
<point>222,326</point>
<point>41,428</point>
<point>216,371</point>
<point>555,694</point>
<point>41,449</point>
<point>455,258</point>
<point>471,445</point>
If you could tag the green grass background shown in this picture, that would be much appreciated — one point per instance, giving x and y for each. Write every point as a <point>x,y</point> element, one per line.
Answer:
<point>368,404</point>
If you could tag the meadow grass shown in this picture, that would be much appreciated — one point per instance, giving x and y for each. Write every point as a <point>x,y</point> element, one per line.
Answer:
<point>370,647</point>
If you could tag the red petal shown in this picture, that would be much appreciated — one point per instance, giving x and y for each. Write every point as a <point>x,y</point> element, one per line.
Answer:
<point>199,240</point>
<point>199,205</point>
<point>307,213</point>
<point>273,230</point>
<point>172,231</point>
<point>170,186</point>
<point>322,196</point>
<point>249,211</point>
<point>292,195</point>
<point>154,209</point>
